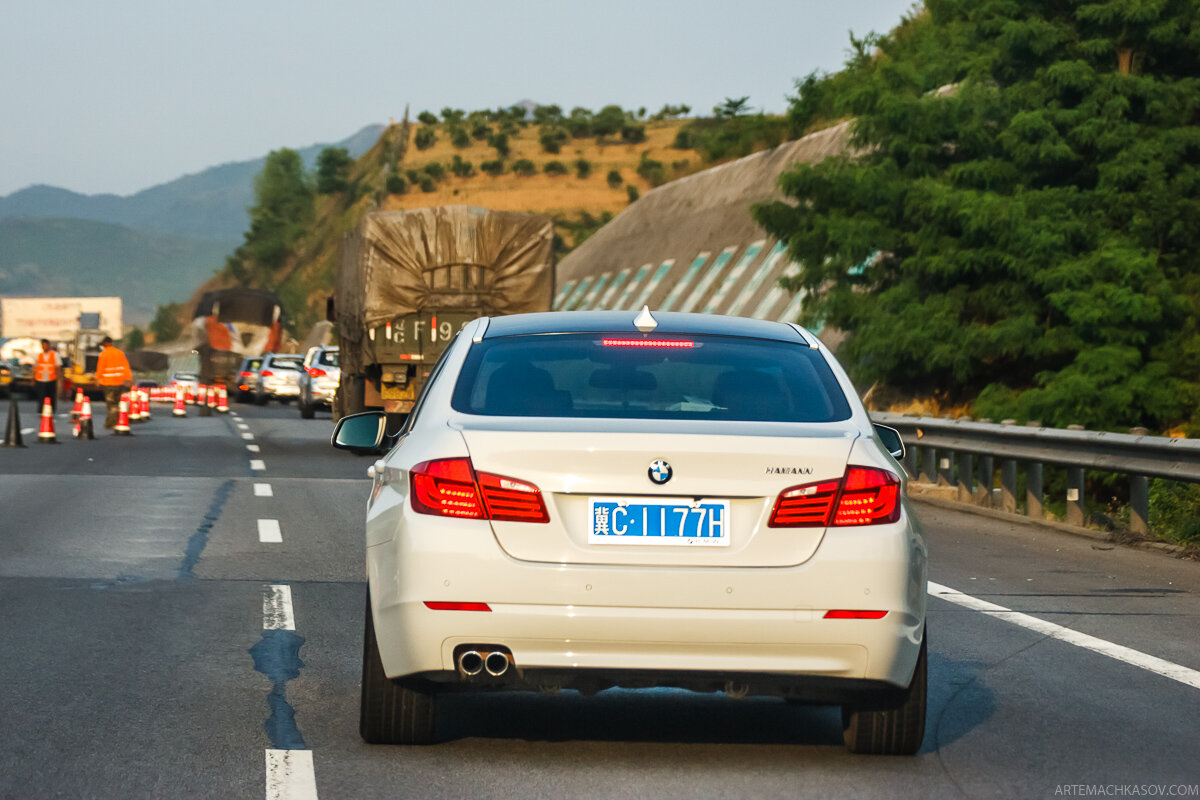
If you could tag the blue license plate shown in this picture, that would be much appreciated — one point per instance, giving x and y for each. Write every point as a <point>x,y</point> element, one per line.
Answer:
<point>667,522</point>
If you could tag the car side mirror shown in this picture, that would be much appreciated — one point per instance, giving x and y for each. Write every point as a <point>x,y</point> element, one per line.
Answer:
<point>360,433</point>
<point>891,439</point>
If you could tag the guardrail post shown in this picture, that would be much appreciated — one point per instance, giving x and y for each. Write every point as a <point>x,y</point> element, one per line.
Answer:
<point>1033,490</point>
<point>928,465</point>
<point>966,476</point>
<point>945,468</point>
<point>1075,496</point>
<point>1008,486</point>
<point>987,480</point>
<point>1139,504</point>
<point>911,459</point>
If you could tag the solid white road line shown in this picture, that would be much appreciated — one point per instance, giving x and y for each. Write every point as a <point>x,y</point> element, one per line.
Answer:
<point>253,448</point>
<point>1167,669</point>
<point>263,490</point>
<point>277,608</point>
<point>290,775</point>
<point>268,531</point>
<point>257,464</point>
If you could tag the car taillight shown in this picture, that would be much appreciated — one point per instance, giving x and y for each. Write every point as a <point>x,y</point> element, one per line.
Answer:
<point>804,506</point>
<point>450,487</point>
<point>316,372</point>
<point>266,373</point>
<point>247,375</point>
<point>509,499</point>
<point>863,496</point>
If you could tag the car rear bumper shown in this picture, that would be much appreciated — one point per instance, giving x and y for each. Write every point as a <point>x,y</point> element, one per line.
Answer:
<point>670,622</point>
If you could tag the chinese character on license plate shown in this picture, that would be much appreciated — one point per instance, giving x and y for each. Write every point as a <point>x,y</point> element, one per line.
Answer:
<point>667,522</point>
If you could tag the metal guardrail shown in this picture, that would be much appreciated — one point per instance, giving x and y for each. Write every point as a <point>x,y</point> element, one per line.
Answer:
<point>967,454</point>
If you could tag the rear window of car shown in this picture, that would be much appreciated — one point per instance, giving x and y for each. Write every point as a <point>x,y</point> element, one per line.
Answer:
<point>294,364</point>
<point>327,358</point>
<point>625,376</point>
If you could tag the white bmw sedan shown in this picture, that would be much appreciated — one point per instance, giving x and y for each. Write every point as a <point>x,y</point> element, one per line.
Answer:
<point>587,500</point>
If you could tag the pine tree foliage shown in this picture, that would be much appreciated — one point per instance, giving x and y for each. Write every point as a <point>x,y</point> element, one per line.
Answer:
<point>1020,223</point>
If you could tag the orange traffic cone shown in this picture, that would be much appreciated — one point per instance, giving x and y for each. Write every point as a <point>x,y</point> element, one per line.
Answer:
<point>122,428</point>
<point>179,411</point>
<point>85,421</point>
<point>76,412</point>
<point>222,399</point>
<point>188,397</point>
<point>46,431</point>
<point>145,405</point>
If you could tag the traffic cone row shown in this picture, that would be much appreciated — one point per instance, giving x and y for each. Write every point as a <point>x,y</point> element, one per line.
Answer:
<point>122,428</point>
<point>85,421</point>
<point>179,410</point>
<point>46,431</point>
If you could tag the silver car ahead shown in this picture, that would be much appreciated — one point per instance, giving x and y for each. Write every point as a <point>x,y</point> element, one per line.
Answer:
<point>593,499</point>
<point>278,378</point>
<point>319,379</point>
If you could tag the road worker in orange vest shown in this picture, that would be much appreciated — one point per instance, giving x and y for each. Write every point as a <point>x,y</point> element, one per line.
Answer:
<point>115,377</point>
<point>46,369</point>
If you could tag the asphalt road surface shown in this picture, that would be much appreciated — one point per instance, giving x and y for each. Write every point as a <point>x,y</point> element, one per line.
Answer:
<point>178,620</point>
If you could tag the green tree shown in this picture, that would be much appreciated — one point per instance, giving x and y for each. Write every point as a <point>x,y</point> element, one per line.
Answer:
<point>554,168</point>
<point>608,121</point>
<point>632,133</point>
<point>425,137</point>
<point>524,167</point>
<point>396,184</point>
<point>583,167</point>
<point>614,178</point>
<point>459,137</point>
<point>1020,224</point>
<point>166,326</point>
<point>732,108</point>
<point>500,142</point>
<point>333,170</point>
<point>134,340</point>
<point>579,124</point>
<point>632,192</point>
<point>552,138</point>
<point>548,115</point>
<point>427,118</point>
<point>282,210</point>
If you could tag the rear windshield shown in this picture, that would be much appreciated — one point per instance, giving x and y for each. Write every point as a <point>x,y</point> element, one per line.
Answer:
<point>327,358</point>
<point>627,376</point>
<point>293,364</point>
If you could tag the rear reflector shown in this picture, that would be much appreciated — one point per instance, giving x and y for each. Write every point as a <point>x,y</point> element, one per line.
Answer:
<point>647,343</point>
<point>450,487</point>
<point>849,614</point>
<point>863,496</point>
<point>440,606</point>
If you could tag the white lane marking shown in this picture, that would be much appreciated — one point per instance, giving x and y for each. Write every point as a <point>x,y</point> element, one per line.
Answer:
<point>290,775</point>
<point>27,431</point>
<point>248,436</point>
<point>253,448</point>
<point>257,464</point>
<point>277,608</point>
<point>268,531</point>
<point>1159,666</point>
<point>243,426</point>
<point>263,490</point>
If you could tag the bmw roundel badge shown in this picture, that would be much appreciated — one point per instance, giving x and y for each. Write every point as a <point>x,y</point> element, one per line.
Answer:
<point>660,471</point>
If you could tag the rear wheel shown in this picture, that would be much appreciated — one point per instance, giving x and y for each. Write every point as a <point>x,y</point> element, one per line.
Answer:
<point>390,713</point>
<point>896,729</point>
<point>307,410</point>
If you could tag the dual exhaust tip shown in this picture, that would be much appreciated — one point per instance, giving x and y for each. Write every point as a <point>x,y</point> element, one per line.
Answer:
<point>474,662</point>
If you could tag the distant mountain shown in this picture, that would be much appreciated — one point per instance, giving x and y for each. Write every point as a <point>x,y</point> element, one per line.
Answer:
<point>207,205</point>
<point>69,257</point>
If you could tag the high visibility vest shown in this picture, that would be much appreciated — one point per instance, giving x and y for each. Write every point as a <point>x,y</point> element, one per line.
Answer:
<point>112,368</point>
<point>45,369</point>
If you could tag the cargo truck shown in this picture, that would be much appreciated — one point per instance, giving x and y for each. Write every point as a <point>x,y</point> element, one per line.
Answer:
<point>409,280</point>
<point>230,325</point>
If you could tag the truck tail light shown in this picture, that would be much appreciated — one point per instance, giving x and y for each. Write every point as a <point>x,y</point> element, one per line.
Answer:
<point>450,487</point>
<point>863,496</point>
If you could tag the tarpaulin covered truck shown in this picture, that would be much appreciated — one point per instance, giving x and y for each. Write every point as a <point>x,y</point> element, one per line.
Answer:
<point>409,280</point>
<point>230,325</point>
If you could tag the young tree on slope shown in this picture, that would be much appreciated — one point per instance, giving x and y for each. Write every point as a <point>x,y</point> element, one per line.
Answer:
<point>1021,223</point>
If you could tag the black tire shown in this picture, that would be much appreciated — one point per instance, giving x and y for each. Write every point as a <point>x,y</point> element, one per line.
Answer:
<point>896,729</point>
<point>391,713</point>
<point>307,411</point>
<point>261,399</point>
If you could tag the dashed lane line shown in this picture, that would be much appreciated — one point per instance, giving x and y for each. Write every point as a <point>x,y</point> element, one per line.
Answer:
<point>258,465</point>
<point>268,531</point>
<point>263,490</point>
<point>1159,666</point>
<point>248,436</point>
<point>277,608</point>
<point>253,448</point>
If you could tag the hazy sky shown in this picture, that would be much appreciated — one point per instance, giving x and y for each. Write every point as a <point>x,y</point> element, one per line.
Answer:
<point>120,95</point>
